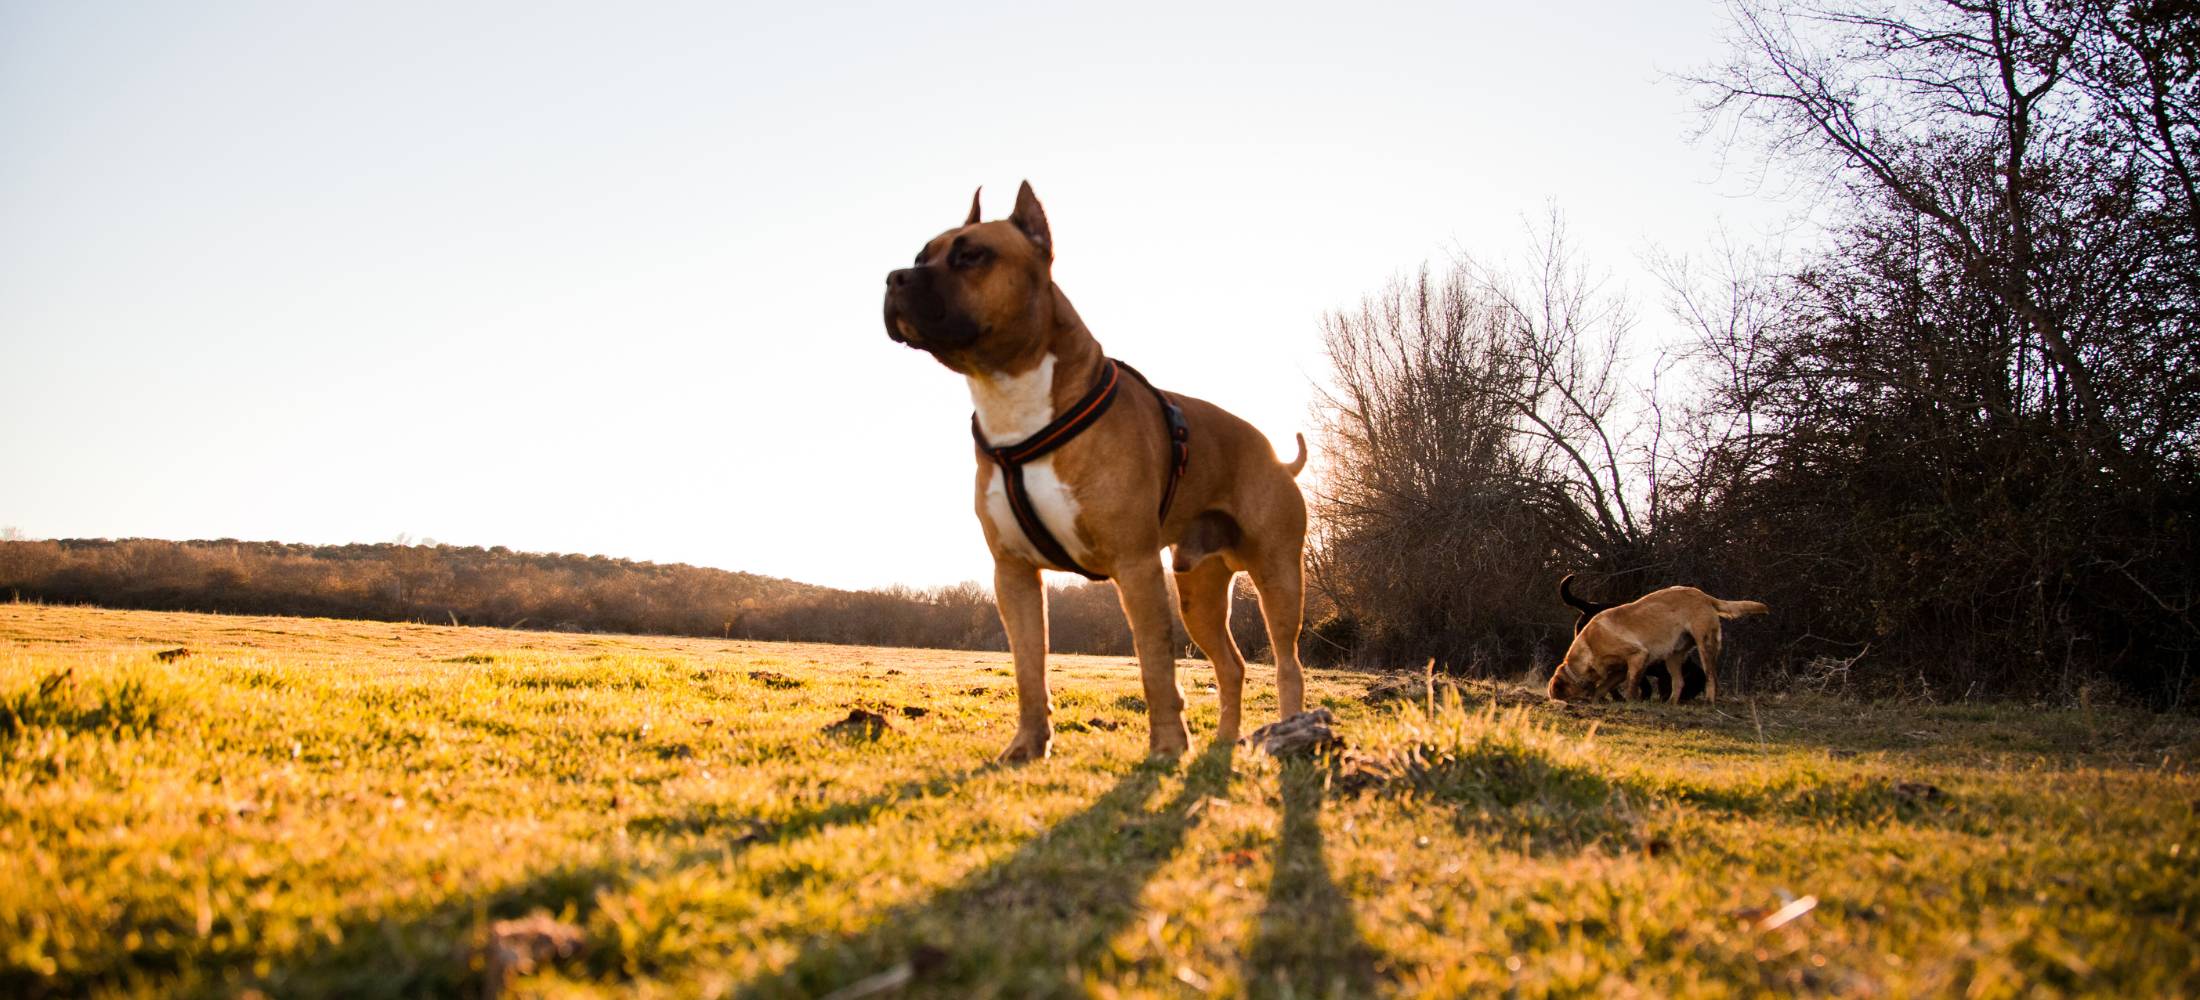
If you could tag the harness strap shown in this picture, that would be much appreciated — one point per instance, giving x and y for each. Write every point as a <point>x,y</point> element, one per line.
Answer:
<point>1180,439</point>
<point>1081,414</point>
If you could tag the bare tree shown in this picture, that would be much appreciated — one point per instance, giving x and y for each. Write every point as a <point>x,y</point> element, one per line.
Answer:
<point>1914,100</point>
<point>2139,63</point>
<point>1565,333</point>
<point>1472,428</point>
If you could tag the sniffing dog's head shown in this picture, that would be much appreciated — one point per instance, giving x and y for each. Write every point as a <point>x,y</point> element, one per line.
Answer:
<point>975,297</point>
<point>1580,679</point>
<point>1564,688</point>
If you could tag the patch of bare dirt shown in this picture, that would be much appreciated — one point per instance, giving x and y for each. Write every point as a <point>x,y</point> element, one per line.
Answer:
<point>861,723</point>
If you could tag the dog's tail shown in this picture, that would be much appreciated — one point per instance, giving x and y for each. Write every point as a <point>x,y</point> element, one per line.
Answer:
<point>1737,609</point>
<point>1296,464</point>
<point>1576,601</point>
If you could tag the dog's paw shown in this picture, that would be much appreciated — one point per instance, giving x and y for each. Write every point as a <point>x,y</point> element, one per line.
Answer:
<point>1027,746</point>
<point>1169,742</point>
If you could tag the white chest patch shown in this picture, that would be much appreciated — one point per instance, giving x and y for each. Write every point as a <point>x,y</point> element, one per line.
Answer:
<point>1011,408</point>
<point>1014,407</point>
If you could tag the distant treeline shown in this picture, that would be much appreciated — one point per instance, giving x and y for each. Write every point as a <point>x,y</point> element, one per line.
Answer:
<point>507,589</point>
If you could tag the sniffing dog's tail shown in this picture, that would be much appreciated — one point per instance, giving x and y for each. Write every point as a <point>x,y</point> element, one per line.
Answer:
<point>1737,609</point>
<point>1576,601</point>
<point>1294,465</point>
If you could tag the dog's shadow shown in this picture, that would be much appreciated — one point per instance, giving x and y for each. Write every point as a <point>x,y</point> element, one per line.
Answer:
<point>1027,923</point>
<point>1307,942</point>
<point>423,953</point>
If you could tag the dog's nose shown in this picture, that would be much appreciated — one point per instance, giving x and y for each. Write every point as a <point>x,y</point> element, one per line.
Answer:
<point>896,279</point>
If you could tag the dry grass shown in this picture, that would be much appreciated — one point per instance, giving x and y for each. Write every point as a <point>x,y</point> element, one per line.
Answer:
<point>335,808</point>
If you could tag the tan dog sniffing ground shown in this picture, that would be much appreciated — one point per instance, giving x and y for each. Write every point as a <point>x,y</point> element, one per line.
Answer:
<point>1691,670</point>
<point>1618,644</point>
<point>1083,466</point>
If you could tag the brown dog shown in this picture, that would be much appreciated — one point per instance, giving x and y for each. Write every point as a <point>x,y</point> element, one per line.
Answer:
<point>1617,644</point>
<point>1082,467</point>
<point>1691,671</point>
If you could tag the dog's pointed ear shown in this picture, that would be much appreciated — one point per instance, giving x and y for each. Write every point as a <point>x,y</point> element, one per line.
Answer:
<point>1032,221</point>
<point>973,220</point>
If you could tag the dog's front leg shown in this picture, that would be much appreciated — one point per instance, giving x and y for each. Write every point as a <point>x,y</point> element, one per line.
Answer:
<point>1023,605</point>
<point>1636,663</point>
<point>1145,595</point>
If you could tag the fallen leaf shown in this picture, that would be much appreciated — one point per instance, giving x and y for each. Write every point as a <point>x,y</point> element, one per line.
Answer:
<point>923,960</point>
<point>1787,914</point>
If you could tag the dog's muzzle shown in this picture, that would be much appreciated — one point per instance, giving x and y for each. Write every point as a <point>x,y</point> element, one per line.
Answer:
<point>918,315</point>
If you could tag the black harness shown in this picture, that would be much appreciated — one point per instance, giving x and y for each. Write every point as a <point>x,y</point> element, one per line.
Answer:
<point>1082,414</point>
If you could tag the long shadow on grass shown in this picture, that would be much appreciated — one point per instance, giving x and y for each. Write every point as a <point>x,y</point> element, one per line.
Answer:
<point>1519,796</point>
<point>1515,795</point>
<point>1029,924</point>
<point>1523,795</point>
<point>1308,942</point>
<point>426,953</point>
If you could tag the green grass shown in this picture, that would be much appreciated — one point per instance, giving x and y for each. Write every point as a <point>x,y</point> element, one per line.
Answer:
<point>330,808</point>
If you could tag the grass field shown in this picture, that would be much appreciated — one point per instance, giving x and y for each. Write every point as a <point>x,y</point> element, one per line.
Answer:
<point>299,808</point>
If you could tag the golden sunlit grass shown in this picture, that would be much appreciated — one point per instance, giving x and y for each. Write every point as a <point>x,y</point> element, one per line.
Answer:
<point>334,808</point>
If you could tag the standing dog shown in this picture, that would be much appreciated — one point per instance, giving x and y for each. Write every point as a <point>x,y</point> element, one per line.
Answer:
<point>1083,466</point>
<point>1617,645</point>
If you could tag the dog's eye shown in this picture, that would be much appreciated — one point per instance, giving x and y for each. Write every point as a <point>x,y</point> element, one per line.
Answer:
<point>968,256</point>
<point>920,258</point>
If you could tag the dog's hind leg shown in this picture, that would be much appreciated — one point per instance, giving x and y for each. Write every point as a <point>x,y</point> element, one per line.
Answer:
<point>1707,648</point>
<point>1673,663</point>
<point>1280,577</point>
<point>1144,592</point>
<point>1023,606</point>
<point>1203,595</point>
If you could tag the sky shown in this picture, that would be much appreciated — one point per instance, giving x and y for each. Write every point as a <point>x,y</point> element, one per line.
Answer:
<point>606,278</point>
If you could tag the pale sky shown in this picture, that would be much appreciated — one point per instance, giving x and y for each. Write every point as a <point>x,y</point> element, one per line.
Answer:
<point>605,278</point>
